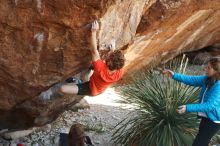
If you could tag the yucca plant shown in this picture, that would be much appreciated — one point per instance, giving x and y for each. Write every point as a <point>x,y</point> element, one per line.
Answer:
<point>154,120</point>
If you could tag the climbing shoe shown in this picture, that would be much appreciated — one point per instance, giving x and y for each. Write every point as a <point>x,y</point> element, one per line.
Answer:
<point>74,80</point>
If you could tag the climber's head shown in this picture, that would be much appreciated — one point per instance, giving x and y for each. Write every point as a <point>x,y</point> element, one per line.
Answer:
<point>115,60</point>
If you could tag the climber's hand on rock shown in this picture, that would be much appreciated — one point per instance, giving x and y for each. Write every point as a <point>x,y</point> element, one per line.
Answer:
<point>95,26</point>
<point>112,45</point>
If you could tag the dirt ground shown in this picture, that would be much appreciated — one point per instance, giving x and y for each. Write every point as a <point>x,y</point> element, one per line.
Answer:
<point>99,120</point>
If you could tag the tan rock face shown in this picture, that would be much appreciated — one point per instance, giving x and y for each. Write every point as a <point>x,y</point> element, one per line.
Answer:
<point>168,28</point>
<point>44,41</point>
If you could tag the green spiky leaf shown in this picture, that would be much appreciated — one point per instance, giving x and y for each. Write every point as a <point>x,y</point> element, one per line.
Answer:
<point>155,98</point>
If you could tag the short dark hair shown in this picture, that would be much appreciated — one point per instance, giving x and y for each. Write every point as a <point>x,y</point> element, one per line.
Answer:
<point>116,60</point>
<point>76,135</point>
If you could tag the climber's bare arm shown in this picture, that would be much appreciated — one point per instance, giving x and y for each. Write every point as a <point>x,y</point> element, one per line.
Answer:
<point>93,49</point>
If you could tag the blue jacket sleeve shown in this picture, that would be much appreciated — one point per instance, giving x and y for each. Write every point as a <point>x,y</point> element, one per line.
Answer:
<point>211,103</point>
<point>196,81</point>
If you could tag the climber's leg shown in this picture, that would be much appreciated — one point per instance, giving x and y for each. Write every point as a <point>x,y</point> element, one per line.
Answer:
<point>48,94</point>
<point>86,74</point>
<point>77,89</point>
<point>74,80</point>
<point>69,89</point>
<point>84,88</point>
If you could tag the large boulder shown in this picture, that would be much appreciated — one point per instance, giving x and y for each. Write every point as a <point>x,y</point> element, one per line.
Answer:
<point>45,41</point>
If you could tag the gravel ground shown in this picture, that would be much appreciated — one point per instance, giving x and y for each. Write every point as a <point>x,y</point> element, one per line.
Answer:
<point>98,121</point>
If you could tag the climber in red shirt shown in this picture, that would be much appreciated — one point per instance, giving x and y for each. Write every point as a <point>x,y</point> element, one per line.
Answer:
<point>105,73</point>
